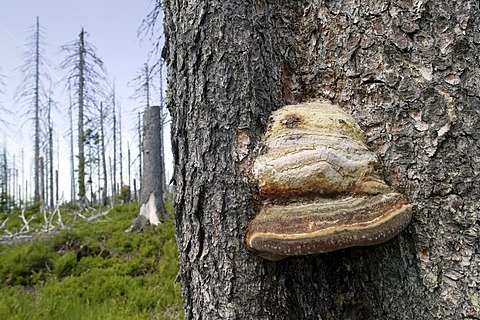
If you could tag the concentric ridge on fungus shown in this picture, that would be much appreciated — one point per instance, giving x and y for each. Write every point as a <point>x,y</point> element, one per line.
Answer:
<point>321,187</point>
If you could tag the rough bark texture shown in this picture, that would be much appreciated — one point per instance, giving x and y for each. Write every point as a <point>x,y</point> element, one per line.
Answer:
<point>408,72</point>
<point>151,198</point>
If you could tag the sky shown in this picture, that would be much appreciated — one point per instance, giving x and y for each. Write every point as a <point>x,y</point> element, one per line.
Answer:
<point>112,27</point>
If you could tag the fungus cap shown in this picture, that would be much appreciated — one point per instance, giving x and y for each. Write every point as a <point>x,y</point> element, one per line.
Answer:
<point>320,186</point>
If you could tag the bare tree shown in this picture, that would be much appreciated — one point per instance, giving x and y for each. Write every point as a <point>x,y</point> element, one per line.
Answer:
<point>152,30</point>
<point>129,167</point>
<point>407,71</point>
<point>117,165</point>
<point>143,85</point>
<point>87,74</point>
<point>152,187</point>
<point>49,154</point>
<point>103,114</point>
<point>32,89</point>
<point>41,174</point>
<point>72,152</point>
<point>152,210</point>
<point>120,143</point>
<point>115,134</point>
<point>3,180</point>
<point>140,154</point>
<point>3,158</point>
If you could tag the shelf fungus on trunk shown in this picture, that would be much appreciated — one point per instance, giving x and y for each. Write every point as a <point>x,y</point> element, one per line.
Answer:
<point>321,187</point>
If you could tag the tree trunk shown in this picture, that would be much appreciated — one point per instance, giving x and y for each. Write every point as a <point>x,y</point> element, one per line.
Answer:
<point>140,150</point>
<point>113,170</point>
<point>103,161</point>
<point>50,159</point>
<point>163,178</point>
<point>42,172</point>
<point>129,167</point>
<point>152,208</point>
<point>4,181</point>
<point>72,162</point>
<point>120,142</point>
<point>81,133</point>
<point>36,147</point>
<point>163,120</point>
<point>408,73</point>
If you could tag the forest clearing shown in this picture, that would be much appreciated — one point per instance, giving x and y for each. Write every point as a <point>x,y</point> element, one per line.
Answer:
<point>90,269</point>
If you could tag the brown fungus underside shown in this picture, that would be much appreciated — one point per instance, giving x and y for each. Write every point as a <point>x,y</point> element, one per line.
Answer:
<point>321,187</point>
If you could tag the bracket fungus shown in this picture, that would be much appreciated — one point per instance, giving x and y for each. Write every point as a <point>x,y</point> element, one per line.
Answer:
<point>321,187</point>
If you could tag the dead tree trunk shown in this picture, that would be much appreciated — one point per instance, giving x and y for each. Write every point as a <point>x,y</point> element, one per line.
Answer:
<point>113,169</point>
<point>163,120</point>
<point>50,158</point>
<point>36,160</point>
<point>42,172</point>
<point>72,162</point>
<point>102,159</point>
<point>3,181</point>
<point>152,210</point>
<point>140,151</point>
<point>81,130</point>
<point>409,74</point>
<point>120,142</point>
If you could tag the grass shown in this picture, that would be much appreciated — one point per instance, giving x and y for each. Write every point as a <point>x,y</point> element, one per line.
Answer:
<point>93,270</point>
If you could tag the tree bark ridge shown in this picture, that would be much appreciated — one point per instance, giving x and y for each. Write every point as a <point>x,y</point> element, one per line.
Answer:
<point>407,72</point>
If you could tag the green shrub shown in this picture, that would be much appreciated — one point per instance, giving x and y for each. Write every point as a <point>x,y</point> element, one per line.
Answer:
<point>67,239</point>
<point>65,265</point>
<point>26,264</point>
<point>94,270</point>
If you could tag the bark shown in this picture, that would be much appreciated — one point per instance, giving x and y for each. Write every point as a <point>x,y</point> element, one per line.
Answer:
<point>72,162</point>
<point>36,98</point>
<point>103,161</point>
<point>42,172</point>
<point>113,169</point>
<point>56,186</point>
<point>129,167</point>
<point>407,71</point>
<point>163,178</point>
<point>163,120</point>
<point>4,182</point>
<point>120,155</point>
<point>152,208</point>
<point>50,161</point>
<point>81,131</point>
<point>140,150</point>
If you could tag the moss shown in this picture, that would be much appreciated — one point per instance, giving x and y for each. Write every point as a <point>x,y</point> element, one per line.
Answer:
<point>65,265</point>
<point>94,271</point>
<point>25,264</point>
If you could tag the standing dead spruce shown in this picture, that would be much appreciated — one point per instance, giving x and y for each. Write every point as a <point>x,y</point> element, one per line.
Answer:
<point>321,187</point>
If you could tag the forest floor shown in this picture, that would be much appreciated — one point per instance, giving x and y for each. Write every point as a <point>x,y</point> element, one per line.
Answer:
<point>90,269</point>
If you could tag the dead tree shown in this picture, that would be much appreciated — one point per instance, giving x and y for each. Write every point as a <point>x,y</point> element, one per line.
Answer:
<point>86,77</point>
<point>103,161</point>
<point>152,210</point>
<point>32,89</point>
<point>49,156</point>
<point>115,132</point>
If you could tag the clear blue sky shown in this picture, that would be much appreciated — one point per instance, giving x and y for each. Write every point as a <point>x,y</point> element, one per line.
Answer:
<point>112,27</point>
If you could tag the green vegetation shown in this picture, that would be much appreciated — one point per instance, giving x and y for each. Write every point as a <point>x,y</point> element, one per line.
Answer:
<point>93,270</point>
